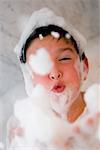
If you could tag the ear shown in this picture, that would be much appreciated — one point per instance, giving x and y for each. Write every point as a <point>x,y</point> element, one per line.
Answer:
<point>85,68</point>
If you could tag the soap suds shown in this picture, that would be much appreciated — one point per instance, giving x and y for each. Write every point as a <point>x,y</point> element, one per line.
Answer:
<point>46,126</point>
<point>40,36</point>
<point>41,62</point>
<point>55,34</point>
<point>92,98</point>
<point>28,76</point>
<point>1,146</point>
<point>67,35</point>
<point>39,112</point>
<point>60,102</point>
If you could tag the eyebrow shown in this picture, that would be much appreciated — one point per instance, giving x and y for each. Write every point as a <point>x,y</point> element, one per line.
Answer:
<point>65,49</point>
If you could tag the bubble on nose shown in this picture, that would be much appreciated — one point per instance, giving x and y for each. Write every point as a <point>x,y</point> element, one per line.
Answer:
<point>41,62</point>
<point>55,34</point>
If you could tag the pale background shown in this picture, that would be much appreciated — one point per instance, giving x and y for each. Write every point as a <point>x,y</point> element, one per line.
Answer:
<point>83,14</point>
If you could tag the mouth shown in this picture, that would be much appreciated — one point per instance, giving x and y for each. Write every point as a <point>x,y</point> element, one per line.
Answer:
<point>58,88</point>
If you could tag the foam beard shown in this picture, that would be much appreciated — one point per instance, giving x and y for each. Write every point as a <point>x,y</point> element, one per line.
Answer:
<point>61,103</point>
<point>54,102</point>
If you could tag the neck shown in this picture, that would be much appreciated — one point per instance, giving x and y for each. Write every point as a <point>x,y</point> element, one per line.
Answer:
<point>76,109</point>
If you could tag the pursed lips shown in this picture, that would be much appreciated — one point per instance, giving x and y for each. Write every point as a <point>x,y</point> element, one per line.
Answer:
<point>58,88</point>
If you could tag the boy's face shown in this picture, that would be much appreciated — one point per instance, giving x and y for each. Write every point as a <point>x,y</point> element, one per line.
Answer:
<point>66,71</point>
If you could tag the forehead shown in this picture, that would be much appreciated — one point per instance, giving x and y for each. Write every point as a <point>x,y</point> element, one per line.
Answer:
<point>50,43</point>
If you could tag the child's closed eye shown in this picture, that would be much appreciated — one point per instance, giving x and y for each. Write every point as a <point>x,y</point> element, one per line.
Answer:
<point>65,58</point>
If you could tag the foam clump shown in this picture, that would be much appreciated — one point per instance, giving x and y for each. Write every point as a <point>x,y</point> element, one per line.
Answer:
<point>40,36</point>
<point>67,35</point>
<point>46,127</point>
<point>92,98</point>
<point>40,123</point>
<point>41,97</point>
<point>55,34</point>
<point>1,146</point>
<point>40,62</point>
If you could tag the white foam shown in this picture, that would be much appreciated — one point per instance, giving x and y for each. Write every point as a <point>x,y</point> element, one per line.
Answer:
<point>67,35</point>
<point>92,98</point>
<point>55,34</point>
<point>28,78</point>
<point>40,115</point>
<point>38,123</point>
<point>1,146</point>
<point>40,36</point>
<point>61,103</point>
<point>41,62</point>
<point>41,96</point>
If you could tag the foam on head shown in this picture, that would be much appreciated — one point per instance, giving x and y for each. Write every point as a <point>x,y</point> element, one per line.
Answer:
<point>55,34</point>
<point>44,17</point>
<point>40,36</point>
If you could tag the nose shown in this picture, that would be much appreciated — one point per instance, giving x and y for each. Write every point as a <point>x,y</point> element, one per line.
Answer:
<point>55,74</point>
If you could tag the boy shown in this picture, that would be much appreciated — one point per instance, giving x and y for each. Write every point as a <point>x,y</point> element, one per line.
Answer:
<point>54,66</point>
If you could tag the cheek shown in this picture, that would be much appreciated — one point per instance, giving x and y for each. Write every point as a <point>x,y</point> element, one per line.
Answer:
<point>71,75</point>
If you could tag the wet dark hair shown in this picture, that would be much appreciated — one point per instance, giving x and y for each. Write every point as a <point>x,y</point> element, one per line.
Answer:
<point>46,30</point>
